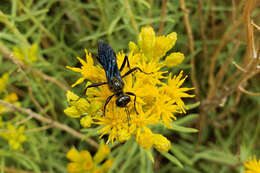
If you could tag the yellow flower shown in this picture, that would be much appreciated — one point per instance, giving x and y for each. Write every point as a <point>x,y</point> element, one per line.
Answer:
<point>86,121</point>
<point>147,139</point>
<point>82,161</point>
<point>174,59</point>
<point>108,164</point>
<point>1,122</point>
<point>14,136</point>
<point>161,143</point>
<point>158,95</point>
<point>3,82</point>
<point>27,55</point>
<point>155,48</point>
<point>175,92</point>
<point>146,41</point>
<point>78,106</point>
<point>102,153</point>
<point>11,98</point>
<point>88,70</point>
<point>252,165</point>
<point>97,170</point>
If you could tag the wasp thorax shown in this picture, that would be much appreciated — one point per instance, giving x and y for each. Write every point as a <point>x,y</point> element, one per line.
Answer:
<point>123,100</point>
<point>117,85</point>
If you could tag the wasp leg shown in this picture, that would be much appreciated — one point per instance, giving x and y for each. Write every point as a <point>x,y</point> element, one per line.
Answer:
<point>128,117</point>
<point>132,94</point>
<point>134,69</point>
<point>126,60</point>
<point>107,101</point>
<point>95,85</point>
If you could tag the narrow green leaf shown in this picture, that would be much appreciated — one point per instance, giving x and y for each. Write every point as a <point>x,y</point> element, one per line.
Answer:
<point>183,129</point>
<point>194,105</point>
<point>186,119</point>
<point>172,159</point>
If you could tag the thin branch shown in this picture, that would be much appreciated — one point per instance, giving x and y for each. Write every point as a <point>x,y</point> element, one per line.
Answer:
<point>39,129</point>
<point>163,16</point>
<point>24,120</point>
<point>255,25</point>
<point>191,45</point>
<point>239,67</point>
<point>51,122</point>
<point>221,45</point>
<point>221,73</point>
<point>248,92</point>
<point>14,170</point>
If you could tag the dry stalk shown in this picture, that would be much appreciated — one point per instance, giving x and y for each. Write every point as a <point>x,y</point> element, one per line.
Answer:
<point>163,16</point>
<point>191,46</point>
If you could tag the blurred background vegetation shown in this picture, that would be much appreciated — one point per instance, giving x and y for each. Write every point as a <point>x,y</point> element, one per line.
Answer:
<point>220,40</point>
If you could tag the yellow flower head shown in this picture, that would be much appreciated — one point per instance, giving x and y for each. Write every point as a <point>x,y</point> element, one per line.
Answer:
<point>11,98</point>
<point>156,47</point>
<point>158,95</point>
<point>252,165</point>
<point>78,106</point>
<point>88,70</point>
<point>102,153</point>
<point>1,122</point>
<point>28,54</point>
<point>14,136</point>
<point>3,82</point>
<point>83,162</point>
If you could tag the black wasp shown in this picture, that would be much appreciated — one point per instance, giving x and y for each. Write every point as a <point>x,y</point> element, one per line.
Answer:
<point>107,58</point>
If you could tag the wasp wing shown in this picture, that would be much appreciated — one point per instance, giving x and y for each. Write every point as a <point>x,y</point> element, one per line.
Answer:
<point>107,59</point>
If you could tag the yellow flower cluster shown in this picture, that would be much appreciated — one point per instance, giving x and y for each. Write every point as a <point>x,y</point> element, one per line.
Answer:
<point>28,55</point>
<point>159,95</point>
<point>252,165</point>
<point>14,136</point>
<point>11,98</point>
<point>3,82</point>
<point>82,162</point>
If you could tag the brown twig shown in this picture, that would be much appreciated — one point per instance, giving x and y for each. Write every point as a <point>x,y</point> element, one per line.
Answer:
<point>212,21</point>
<point>248,92</point>
<point>51,122</point>
<point>221,45</point>
<point>14,170</point>
<point>233,10</point>
<point>191,45</point>
<point>255,25</point>
<point>204,41</point>
<point>202,31</point>
<point>221,73</point>
<point>163,16</point>
<point>39,129</point>
<point>150,14</point>
<point>239,67</point>
<point>250,47</point>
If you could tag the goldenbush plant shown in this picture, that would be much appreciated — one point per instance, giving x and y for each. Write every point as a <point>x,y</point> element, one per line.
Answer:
<point>198,106</point>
